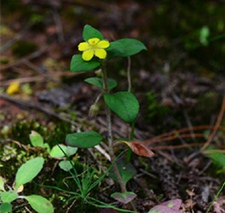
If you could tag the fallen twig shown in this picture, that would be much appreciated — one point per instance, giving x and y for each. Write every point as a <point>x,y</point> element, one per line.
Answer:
<point>216,126</point>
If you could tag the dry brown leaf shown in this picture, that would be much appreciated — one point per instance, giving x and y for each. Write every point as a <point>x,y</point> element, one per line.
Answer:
<point>139,148</point>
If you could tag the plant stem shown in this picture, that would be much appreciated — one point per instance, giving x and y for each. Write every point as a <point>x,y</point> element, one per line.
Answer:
<point>110,136</point>
<point>109,127</point>
<point>128,74</point>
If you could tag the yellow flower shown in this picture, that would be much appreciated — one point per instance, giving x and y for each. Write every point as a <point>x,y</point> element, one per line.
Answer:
<point>94,46</point>
<point>13,88</point>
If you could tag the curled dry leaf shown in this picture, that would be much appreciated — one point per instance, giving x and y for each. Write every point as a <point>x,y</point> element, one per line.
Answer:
<point>139,148</point>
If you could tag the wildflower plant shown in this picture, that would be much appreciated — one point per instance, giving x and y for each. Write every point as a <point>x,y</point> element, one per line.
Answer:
<point>26,173</point>
<point>96,52</point>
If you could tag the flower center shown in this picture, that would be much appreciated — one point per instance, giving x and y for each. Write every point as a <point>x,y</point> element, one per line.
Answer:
<point>93,43</point>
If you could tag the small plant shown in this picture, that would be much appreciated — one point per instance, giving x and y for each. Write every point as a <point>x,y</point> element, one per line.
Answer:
<point>26,173</point>
<point>96,51</point>
<point>59,151</point>
<point>86,181</point>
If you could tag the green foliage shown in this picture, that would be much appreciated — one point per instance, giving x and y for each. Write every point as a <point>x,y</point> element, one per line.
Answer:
<point>204,35</point>
<point>5,208</point>
<point>79,65</point>
<point>39,204</point>
<point>83,139</point>
<point>126,170</point>
<point>2,182</point>
<point>28,171</point>
<point>124,104</point>
<point>98,82</point>
<point>60,151</point>
<point>66,165</point>
<point>218,159</point>
<point>8,196</point>
<point>125,47</point>
<point>90,32</point>
<point>120,48</point>
<point>36,139</point>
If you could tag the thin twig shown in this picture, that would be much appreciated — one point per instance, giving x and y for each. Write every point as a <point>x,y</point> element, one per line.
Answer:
<point>175,133</point>
<point>188,120</point>
<point>33,55</point>
<point>216,126</point>
<point>36,106</point>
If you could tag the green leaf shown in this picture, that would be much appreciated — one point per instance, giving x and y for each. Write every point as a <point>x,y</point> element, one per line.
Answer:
<point>2,183</point>
<point>5,208</point>
<point>203,35</point>
<point>28,171</point>
<point>70,150</point>
<point>125,197</point>
<point>125,47</point>
<point>126,169</point>
<point>65,165</point>
<point>58,151</point>
<point>83,139</point>
<point>98,82</point>
<point>91,32</point>
<point>77,64</point>
<point>39,204</point>
<point>124,104</point>
<point>36,139</point>
<point>218,158</point>
<point>9,196</point>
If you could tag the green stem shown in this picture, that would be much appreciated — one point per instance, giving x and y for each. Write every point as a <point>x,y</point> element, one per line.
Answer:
<point>110,136</point>
<point>216,196</point>
<point>109,126</point>
<point>128,74</point>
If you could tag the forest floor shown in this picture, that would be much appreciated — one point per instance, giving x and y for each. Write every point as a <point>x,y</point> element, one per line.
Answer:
<point>179,83</point>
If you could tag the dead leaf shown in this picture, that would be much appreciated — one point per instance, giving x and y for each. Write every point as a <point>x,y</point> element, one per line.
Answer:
<point>139,148</point>
<point>171,206</point>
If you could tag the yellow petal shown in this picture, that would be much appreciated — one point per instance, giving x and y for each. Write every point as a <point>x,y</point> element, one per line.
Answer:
<point>103,44</point>
<point>93,41</point>
<point>88,55</point>
<point>13,88</point>
<point>83,46</point>
<point>100,53</point>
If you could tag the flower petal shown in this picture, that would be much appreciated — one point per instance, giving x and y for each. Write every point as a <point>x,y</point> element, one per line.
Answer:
<point>103,44</point>
<point>100,53</point>
<point>88,55</point>
<point>83,46</point>
<point>93,41</point>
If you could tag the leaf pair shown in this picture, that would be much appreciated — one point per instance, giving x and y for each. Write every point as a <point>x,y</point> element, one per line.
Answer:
<point>124,104</point>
